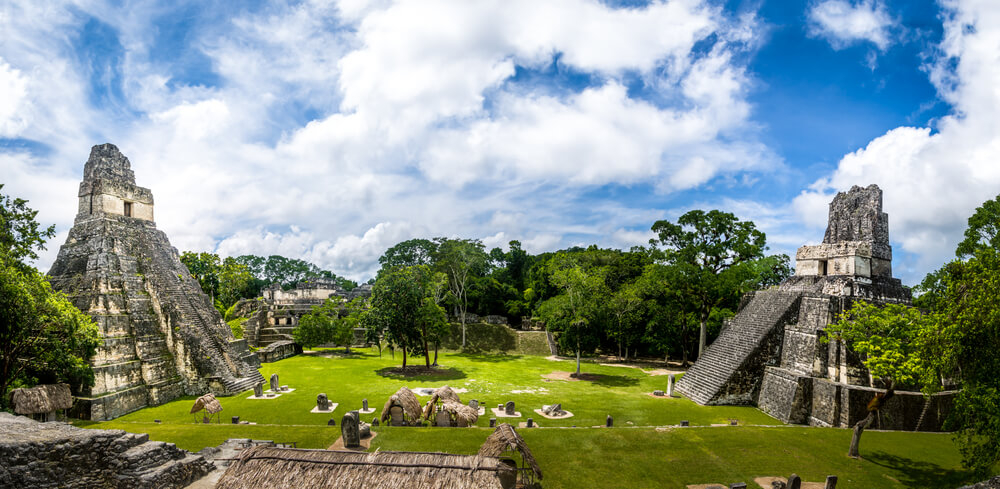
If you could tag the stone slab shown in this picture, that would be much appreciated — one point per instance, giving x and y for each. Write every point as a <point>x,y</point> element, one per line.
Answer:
<point>546,416</point>
<point>500,413</point>
<point>264,397</point>
<point>333,407</point>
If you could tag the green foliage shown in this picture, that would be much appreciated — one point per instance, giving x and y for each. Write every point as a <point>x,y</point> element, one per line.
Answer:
<point>719,258</point>
<point>409,253</point>
<point>324,324</point>
<point>964,346</point>
<point>231,279</point>
<point>402,310</point>
<point>983,231</point>
<point>43,337</point>
<point>236,325</point>
<point>890,340</point>
<point>20,235</point>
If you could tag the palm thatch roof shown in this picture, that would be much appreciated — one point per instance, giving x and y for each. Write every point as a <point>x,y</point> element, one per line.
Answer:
<point>461,415</point>
<point>406,399</point>
<point>443,393</point>
<point>264,467</point>
<point>41,399</point>
<point>208,402</point>
<point>504,439</point>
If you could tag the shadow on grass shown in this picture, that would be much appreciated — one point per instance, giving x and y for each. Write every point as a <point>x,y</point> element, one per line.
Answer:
<point>339,354</point>
<point>421,373</point>
<point>912,473</point>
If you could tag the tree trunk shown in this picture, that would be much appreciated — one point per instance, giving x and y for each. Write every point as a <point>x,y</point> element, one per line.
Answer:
<point>427,350</point>
<point>463,330</point>
<point>404,358</point>
<point>702,336</point>
<point>577,358</point>
<point>858,429</point>
<point>435,354</point>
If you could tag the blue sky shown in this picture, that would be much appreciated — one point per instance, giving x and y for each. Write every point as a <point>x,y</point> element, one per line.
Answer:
<point>332,129</point>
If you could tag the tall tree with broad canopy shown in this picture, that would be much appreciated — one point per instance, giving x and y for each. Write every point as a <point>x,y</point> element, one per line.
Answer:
<point>892,341</point>
<point>402,308</point>
<point>409,253</point>
<point>43,337</point>
<point>711,245</point>
<point>577,312</point>
<point>460,260</point>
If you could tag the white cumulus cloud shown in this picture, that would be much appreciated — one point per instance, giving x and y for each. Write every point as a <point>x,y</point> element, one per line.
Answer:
<point>844,23</point>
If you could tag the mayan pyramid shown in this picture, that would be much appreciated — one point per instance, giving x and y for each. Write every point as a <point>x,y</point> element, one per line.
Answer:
<point>771,354</point>
<point>161,337</point>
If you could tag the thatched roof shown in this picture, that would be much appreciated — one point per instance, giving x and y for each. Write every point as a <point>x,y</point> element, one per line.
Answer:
<point>406,399</point>
<point>506,438</point>
<point>208,402</point>
<point>456,409</point>
<point>443,393</point>
<point>41,399</point>
<point>264,467</point>
<point>446,393</point>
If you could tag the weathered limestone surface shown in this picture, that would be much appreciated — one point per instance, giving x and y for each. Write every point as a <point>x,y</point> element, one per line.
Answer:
<point>58,455</point>
<point>772,352</point>
<point>161,337</point>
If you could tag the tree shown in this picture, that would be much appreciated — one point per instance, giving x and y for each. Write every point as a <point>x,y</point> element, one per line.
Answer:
<point>204,267</point>
<point>711,245</point>
<point>43,337</point>
<point>409,253</point>
<point>963,346</point>
<point>235,281</point>
<point>983,231</point>
<point>459,259</point>
<point>625,307</point>
<point>317,327</point>
<point>398,310</point>
<point>577,312</point>
<point>890,339</point>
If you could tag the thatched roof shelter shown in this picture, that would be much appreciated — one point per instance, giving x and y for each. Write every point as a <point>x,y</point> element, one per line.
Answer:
<point>264,467</point>
<point>208,402</point>
<point>503,443</point>
<point>443,393</point>
<point>406,399</point>
<point>461,415</point>
<point>41,399</point>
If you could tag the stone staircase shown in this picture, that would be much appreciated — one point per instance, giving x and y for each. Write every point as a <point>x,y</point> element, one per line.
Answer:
<point>59,455</point>
<point>730,369</point>
<point>173,286</point>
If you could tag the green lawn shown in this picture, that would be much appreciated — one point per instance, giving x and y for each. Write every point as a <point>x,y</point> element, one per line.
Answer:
<point>633,452</point>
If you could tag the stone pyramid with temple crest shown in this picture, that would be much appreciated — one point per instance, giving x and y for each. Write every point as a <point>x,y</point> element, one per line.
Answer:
<point>161,337</point>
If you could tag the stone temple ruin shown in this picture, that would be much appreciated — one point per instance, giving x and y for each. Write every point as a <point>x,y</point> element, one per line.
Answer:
<point>160,336</point>
<point>771,355</point>
<point>275,315</point>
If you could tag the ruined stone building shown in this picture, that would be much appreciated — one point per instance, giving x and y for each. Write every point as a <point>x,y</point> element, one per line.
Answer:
<point>771,354</point>
<point>160,336</point>
<point>275,315</point>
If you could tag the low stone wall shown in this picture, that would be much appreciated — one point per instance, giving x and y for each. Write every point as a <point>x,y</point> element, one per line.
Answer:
<point>278,350</point>
<point>58,455</point>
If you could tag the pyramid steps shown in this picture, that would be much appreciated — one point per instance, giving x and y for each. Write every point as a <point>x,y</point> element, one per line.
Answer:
<point>720,375</point>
